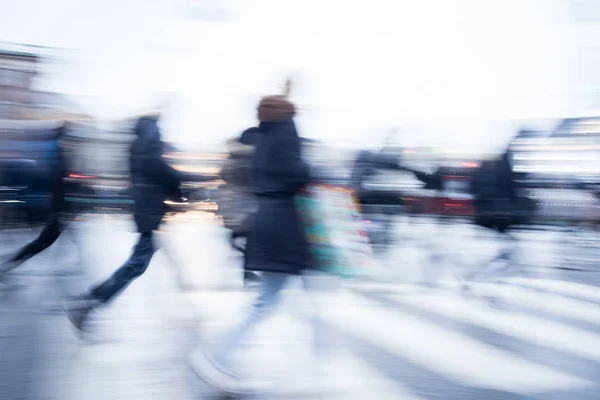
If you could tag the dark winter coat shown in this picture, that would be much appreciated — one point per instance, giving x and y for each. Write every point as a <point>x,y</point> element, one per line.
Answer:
<point>277,242</point>
<point>153,180</point>
<point>494,193</point>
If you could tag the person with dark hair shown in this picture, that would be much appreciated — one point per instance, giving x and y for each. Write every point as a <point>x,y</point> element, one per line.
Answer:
<point>277,245</point>
<point>54,226</point>
<point>153,182</point>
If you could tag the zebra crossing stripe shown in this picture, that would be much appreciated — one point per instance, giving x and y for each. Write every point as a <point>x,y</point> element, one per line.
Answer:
<point>448,353</point>
<point>543,301</point>
<point>375,385</point>
<point>575,289</point>
<point>537,330</point>
<point>339,371</point>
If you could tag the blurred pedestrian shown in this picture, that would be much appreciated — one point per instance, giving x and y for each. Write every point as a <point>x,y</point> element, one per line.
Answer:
<point>54,225</point>
<point>237,202</point>
<point>153,182</point>
<point>378,205</point>
<point>500,205</point>
<point>277,245</point>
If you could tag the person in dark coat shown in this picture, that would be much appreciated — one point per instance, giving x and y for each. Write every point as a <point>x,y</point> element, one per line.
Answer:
<point>153,182</point>
<point>54,227</point>
<point>277,242</point>
<point>277,245</point>
<point>499,198</point>
<point>499,206</point>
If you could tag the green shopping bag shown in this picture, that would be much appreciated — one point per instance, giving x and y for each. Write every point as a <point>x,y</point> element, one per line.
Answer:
<point>334,231</point>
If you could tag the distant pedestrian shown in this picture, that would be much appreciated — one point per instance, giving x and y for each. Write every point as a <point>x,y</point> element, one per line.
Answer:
<point>153,182</point>
<point>500,205</point>
<point>54,225</point>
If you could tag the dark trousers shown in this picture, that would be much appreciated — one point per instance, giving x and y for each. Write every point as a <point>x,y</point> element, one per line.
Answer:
<point>51,232</point>
<point>135,266</point>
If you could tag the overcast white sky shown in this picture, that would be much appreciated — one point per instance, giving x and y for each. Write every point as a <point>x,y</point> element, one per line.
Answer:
<point>443,70</point>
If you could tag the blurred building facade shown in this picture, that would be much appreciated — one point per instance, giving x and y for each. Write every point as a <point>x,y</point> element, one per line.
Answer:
<point>18,67</point>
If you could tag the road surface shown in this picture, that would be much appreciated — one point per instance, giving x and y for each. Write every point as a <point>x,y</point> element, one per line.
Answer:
<point>535,337</point>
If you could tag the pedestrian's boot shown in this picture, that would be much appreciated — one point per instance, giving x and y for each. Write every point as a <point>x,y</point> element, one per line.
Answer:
<point>216,375</point>
<point>7,284</point>
<point>11,264</point>
<point>78,309</point>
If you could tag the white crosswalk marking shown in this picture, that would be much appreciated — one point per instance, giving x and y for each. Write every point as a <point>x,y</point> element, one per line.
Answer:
<point>391,354</point>
<point>283,344</point>
<point>537,330</point>
<point>378,387</point>
<point>547,302</point>
<point>456,356</point>
<point>562,287</point>
<point>445,352</point>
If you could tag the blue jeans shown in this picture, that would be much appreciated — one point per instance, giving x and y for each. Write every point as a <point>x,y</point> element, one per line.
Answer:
<point>268,298</point>
<point>135,266</point>
<point>51,232</point>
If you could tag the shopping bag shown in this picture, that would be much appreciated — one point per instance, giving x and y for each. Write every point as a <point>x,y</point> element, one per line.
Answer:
<point>333,227</point>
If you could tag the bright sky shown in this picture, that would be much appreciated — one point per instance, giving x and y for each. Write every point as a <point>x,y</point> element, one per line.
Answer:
<point>441,70</point>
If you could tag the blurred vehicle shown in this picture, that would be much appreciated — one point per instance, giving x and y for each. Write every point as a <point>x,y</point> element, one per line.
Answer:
<point>455,198</point>
<point>28,156</point>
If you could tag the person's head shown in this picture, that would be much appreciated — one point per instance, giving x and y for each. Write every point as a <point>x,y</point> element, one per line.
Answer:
<point>275,109</point>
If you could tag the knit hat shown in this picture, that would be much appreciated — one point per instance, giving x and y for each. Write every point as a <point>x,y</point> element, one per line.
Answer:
<point>277,107</point>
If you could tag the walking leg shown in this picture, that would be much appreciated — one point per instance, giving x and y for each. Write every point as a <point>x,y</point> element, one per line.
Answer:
<point>46,238</point>
<point>78,309</point>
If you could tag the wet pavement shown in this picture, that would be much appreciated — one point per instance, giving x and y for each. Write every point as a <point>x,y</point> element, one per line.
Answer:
<point>537,336</point>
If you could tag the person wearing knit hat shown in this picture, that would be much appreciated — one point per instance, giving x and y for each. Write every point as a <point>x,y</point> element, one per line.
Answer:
<point>275,109</point>
<point>277,246</point>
